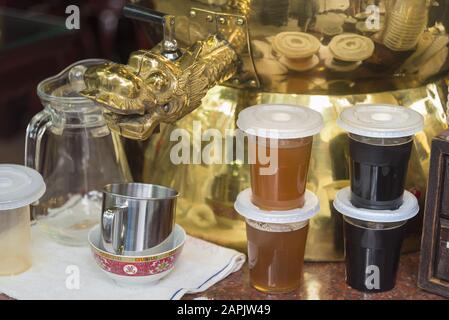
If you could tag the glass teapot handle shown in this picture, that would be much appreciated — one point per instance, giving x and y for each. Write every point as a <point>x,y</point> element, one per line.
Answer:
<point>34,133</point>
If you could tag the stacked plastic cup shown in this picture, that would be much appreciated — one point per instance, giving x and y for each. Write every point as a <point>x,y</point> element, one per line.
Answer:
<point>380,144</point>
<point>373,240</point>
<point>405,24</point>
<point>277,207</point>
<point>276,242</point>
<point>280,144</point>
<point>19,187</point>
<point>376,207</point>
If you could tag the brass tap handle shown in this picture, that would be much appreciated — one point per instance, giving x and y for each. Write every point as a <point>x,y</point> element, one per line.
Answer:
<point>169,43</point>
<point>144,14</point>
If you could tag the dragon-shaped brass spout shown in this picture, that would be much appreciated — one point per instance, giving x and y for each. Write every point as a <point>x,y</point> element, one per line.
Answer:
<point>152,89</point>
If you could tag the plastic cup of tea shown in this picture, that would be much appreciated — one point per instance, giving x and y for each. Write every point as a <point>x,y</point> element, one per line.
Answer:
<point>276,243</point>
<point>373,241</point>
<point>280,144</point>
<point>380,144</point>
<point>19,187</point>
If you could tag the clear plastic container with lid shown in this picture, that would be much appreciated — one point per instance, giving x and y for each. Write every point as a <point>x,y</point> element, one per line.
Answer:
<point>373,241</point>
<point>19,187</point>
<point>276,242</point>
<point>380,143</point>
<point>280,145</point>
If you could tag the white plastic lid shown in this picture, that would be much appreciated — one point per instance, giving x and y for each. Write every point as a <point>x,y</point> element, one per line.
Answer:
<point>19,186</point>
<point>381,121</point>
<point>280,121</point>
<point>244,206</point>
<point>408,210</point>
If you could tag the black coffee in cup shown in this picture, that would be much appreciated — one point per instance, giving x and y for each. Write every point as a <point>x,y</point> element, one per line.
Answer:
<point>372,254</point>
<point>373,241</point>
<point>380,144</point>
<point>378,168</point>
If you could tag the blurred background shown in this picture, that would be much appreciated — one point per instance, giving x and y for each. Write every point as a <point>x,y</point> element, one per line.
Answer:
<point>35,44</point>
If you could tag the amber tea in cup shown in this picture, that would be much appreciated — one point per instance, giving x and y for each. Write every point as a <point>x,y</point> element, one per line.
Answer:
<point>276,242</point>
<point>280,144</point>
<point>283,189</point>
<point>276,255</point>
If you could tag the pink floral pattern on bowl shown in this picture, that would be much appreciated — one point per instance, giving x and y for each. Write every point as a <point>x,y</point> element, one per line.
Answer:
<point>136,268</point>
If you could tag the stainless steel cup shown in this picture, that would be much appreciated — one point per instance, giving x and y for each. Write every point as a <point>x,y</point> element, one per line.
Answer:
<point>136,217</point>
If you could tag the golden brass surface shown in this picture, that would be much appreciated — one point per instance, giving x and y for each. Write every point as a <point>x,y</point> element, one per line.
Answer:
<point>152,89</point>
<point>205,208</point>
<point>386,69</point>
<point>230,42</point>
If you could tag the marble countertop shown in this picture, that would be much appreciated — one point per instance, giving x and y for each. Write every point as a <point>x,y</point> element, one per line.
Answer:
<point>324,281</point>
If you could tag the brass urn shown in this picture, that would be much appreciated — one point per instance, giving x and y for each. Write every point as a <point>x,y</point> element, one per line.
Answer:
<point>220,56</point>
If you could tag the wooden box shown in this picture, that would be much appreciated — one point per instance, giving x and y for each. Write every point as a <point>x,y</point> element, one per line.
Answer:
<point>434,265</point>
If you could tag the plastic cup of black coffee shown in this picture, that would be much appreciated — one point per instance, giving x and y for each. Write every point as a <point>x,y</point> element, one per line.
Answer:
<point>373,241</point>
<point>372,253</point>
<point>378,169</point>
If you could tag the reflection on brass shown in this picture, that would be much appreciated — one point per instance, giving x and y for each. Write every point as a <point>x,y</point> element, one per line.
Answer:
<point>224,190</point>
<point>351,47</point>
<point>152,89</point>
<point>203,216</point>
<point>325,19</point>
<point>244,62</point>
<point>406,24</point>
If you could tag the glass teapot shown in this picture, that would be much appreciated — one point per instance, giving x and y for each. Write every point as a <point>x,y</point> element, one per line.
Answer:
<point>70,144</point>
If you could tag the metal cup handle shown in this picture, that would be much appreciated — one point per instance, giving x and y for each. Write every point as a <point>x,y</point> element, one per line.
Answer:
<point>113,229</point>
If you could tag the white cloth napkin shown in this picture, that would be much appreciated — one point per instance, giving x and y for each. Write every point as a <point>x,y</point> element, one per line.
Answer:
<point>55,270</point>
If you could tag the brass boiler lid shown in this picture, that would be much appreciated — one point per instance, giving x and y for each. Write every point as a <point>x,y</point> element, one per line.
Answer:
<point>322,47</point>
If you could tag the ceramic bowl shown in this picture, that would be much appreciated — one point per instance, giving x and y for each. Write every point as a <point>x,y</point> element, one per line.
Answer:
<point>144,269</point>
